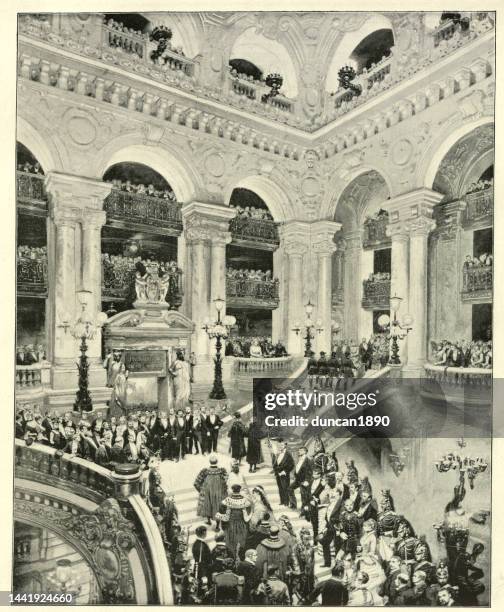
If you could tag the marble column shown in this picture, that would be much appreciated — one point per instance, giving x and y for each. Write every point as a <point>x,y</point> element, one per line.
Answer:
<point>411,221</point>
<point>323,246</point>
<point>353,285</point>
<point>74,262</point>
<point>399,275</point>
<point>417,341</point>
<point>206,233</point>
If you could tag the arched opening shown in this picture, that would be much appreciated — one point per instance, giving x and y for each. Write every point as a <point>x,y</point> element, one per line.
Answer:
<point>43,560</point>
<point>372,49</point>
<point>465,177</point>
<point>251,288</point>
<point>361,50</point>
<point>245,68</point>
<point>143,223</point>
<point>267,57</point>
<point>31,261</point>
<point>361,208</point>
<point>133,21</point>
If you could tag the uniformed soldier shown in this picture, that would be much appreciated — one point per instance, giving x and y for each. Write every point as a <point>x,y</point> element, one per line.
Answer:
<point>273,591</point>
<point>349,529</point>
<point>228,586</point>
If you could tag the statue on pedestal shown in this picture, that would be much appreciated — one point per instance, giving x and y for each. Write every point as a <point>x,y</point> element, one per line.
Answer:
<point>181,372</point>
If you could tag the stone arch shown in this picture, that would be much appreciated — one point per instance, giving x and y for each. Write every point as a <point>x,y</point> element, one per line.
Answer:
<point>187,29</point>
<point>268,55</point>
<point>337,188</point>
<point>171,165</point>
<point>349,43</point>
<point>430,162</point>
<point>362,196</point>
<point>454,174</point>
<point>41,146</point>
<point>274,197</point>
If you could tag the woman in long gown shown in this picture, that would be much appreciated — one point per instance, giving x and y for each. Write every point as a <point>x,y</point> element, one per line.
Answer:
<point>235,520</point>
<point>254,455</point>
<point>118,401</point>
<point>260,507</point>
<point>181,373</point>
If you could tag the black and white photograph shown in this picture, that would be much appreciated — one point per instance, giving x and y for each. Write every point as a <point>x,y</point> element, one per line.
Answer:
<point>254,292</point>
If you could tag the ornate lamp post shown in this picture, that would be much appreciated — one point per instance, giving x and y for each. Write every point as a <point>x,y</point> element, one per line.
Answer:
<point>220,331</point>
<point>398,330</point>
<point>84,329</point>
<point>310,327</point>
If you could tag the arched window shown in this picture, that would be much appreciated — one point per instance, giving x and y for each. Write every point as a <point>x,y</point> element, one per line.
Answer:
<point>136,174</point>
<point>243,66</point>
<point>26,161</point>
<point>372,49</point>
<point>133,21</point>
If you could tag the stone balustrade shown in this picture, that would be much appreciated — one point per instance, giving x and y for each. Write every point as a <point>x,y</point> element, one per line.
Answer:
<point>50,466</point>
<point>376,293</point>
<point>30,189</point>
<point>141,209</point>
<point>254,90</point>
<point>479,206</point>
<point>477,281</point>
<point>32,376</point>
<point>474,377</point>
<point>256,366</point>
<point>246,229</point>
<point>244,293</point>
<point>126,41</point>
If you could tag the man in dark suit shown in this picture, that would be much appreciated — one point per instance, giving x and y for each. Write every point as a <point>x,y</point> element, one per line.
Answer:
<point>213,424</point>
<point>202,555</point>
<point>251,575</point>
<point>366,353</point>
<point>180,448</point>
<point>311,509</point>
<point>188,431</point>
<point>333,591</point>
<point>303,475</point>
<point>283,464</point>
<point>333,497</point>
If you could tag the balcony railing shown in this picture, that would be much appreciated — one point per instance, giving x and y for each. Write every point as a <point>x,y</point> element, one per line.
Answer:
<point>477,282</point>
<point>243,293</point>
<point>376,294</point>
<point>375,233</point>
<point>127,41</point>
<point>254,91</point>
<point>479,206</point>
<point>141,209</point>
<point>477,377</point>
<point>31,377</point>
<point>262,365</point>
<point>246,229</point>
<point>32,275</point>
<point>30,190</point>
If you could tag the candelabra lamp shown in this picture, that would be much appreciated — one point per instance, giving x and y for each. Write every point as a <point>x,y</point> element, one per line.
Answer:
<point>346,75</point>
<point>219,330</point>
<point>398,329</point>
<point>84,329</point>
<point>310,328</point>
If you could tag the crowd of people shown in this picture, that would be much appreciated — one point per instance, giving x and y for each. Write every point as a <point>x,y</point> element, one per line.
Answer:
<point>462,353</point>
<point>484,260</point>
<point>241,282</point>
<point>31,168</point>
<point>120,27</point>
<point>30,252</point>
<point>348,361</point>
<point>141,188</point>
<point>480,186</point>
<point>253,212</point>
<point>259,346</point>
<point>28,354</point>
<point>375,555</point>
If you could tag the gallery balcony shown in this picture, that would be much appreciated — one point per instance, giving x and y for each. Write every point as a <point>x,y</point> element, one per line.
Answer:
<point>30,191</point>
<point>251,91</point>
<point>243,293</point>
<point>376,294</point>
<point>129,210</point>
<point>477,283</point>
<point>375,233</point>
<point>255,233</point>
<point>32,377</point>
<point>479,207</point>
<point>31,276</point>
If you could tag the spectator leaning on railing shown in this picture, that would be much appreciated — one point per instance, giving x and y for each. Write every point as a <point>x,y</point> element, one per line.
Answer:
<point>257,346</point>
<point>462,353</point>
<point>252,212</point>
<point>141,188</point>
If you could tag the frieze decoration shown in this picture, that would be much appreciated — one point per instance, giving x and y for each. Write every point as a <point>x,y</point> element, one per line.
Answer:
<point>104,537</point>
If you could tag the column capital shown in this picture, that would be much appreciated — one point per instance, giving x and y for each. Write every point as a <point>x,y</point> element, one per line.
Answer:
<point>207,222</point>
<point>77,192</point>
<point>353,240</point>
<point>295,238</point>
<point>398,232</point>
<point>421,226</point>
<point>93,219</point>
<point>322,237</point>
<point>413,204</point>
